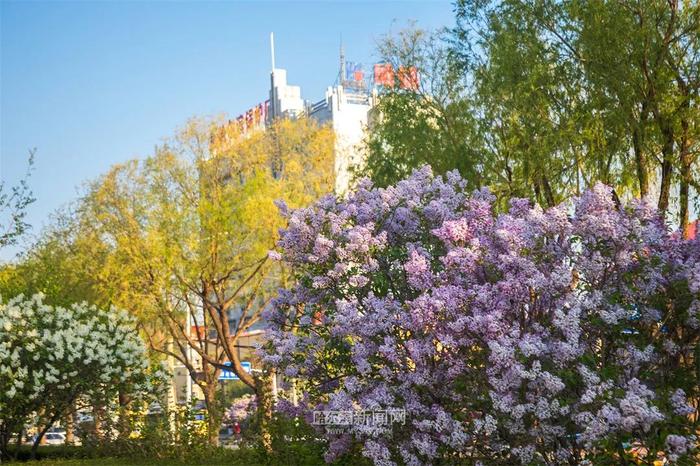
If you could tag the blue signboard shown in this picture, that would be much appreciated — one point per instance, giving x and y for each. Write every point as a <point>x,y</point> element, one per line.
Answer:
<point>227,374</point>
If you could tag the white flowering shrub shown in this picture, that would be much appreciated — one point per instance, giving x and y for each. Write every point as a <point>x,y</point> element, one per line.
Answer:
<point>52,357</point>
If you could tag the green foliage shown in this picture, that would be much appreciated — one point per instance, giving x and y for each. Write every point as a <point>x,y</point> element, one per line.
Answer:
<point>544,99</point>
<point>83,456</point>
<point>428,125</point>
<point>52,453</point>
<point>63,265</point>
<point>294,442</point>
<point>173,438</point>
<point>184,231</point>
<point>174,434</point>
<point>13,207</point>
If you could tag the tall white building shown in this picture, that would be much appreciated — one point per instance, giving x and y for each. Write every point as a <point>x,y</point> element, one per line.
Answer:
<point>344,108</point>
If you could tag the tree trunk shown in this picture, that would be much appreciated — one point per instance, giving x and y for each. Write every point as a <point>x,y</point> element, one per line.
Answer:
<point>98,419</point>
<point>263,392</point>
<point>20,438</point>
<point>40,436</point>
<point>548,194</point>
<point>123,425</point>
<point>213,417</point>
<point>666,167</point>
<point>684,200</point>
<point>639,155</point>
<point>536,190</point>
<point>5,433</point>
<point>686,162</point>
<point>70,426</point>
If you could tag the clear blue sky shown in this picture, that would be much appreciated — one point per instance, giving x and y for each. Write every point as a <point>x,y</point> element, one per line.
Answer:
<point>90,84</point>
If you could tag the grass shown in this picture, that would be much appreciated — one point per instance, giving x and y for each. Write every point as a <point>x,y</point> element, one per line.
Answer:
<point>95,462</point>
<point>130,462</point>
<point>78,456</point>
<point>117,462</point>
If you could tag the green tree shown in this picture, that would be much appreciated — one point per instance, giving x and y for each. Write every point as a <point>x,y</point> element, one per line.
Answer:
<point>543,99</point>
<point>188,231</point>
<point>430,124</point>
<point>610,81</point>
<point>64,264</point>
<point>13,207</point>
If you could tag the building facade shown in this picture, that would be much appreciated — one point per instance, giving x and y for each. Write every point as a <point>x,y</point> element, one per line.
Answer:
<point>345,107</point>
<point>346,110</point>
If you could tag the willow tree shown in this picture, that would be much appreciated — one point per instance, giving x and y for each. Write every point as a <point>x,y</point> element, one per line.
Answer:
<point>428,122</point>
<point>544,99</point>
<point>64,264</point>
<point>190,228</point>
<point>583,91</point>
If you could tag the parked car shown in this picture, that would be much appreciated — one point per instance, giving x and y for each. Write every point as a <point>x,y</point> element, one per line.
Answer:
<point>84,417</point>
<point>225,435</point>
<point>155,408</point>
<point>55,438</point>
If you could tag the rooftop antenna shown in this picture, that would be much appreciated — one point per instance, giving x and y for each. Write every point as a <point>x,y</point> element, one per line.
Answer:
<point>272,114</point>
<point>272,50</point>
<point>342,61</point>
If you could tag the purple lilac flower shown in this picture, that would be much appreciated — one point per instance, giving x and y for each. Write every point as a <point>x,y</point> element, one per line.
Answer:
<point>522,335</point>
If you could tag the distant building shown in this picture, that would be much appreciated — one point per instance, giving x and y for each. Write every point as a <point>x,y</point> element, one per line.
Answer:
<point>345,108</point>
<point>285,100</point>
<point>347,111</point>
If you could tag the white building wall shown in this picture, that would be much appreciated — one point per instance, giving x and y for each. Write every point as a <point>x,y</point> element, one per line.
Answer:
<point>285,100</point>
<point>346,110</point>
<point>347,113</point>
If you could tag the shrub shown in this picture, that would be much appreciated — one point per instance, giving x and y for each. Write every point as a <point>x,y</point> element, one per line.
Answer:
<point>52,358</point>
<point>559,336</point>
<point>241,409</point>
<point>168,433</point>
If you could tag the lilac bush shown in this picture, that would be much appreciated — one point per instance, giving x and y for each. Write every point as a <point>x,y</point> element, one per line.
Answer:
<point>241,409</point>
<point>560,336</point>
<point>54,359</point>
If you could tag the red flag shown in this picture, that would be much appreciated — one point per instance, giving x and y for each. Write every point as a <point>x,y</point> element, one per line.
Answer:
<point>408,78</point>
<point>383,74</point>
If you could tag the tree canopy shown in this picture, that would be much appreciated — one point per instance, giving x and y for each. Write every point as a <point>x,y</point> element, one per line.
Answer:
<point>544,99</point>
<point>180,239</point>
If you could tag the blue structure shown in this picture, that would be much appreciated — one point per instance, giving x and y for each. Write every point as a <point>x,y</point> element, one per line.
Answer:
<point>227,374</point>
